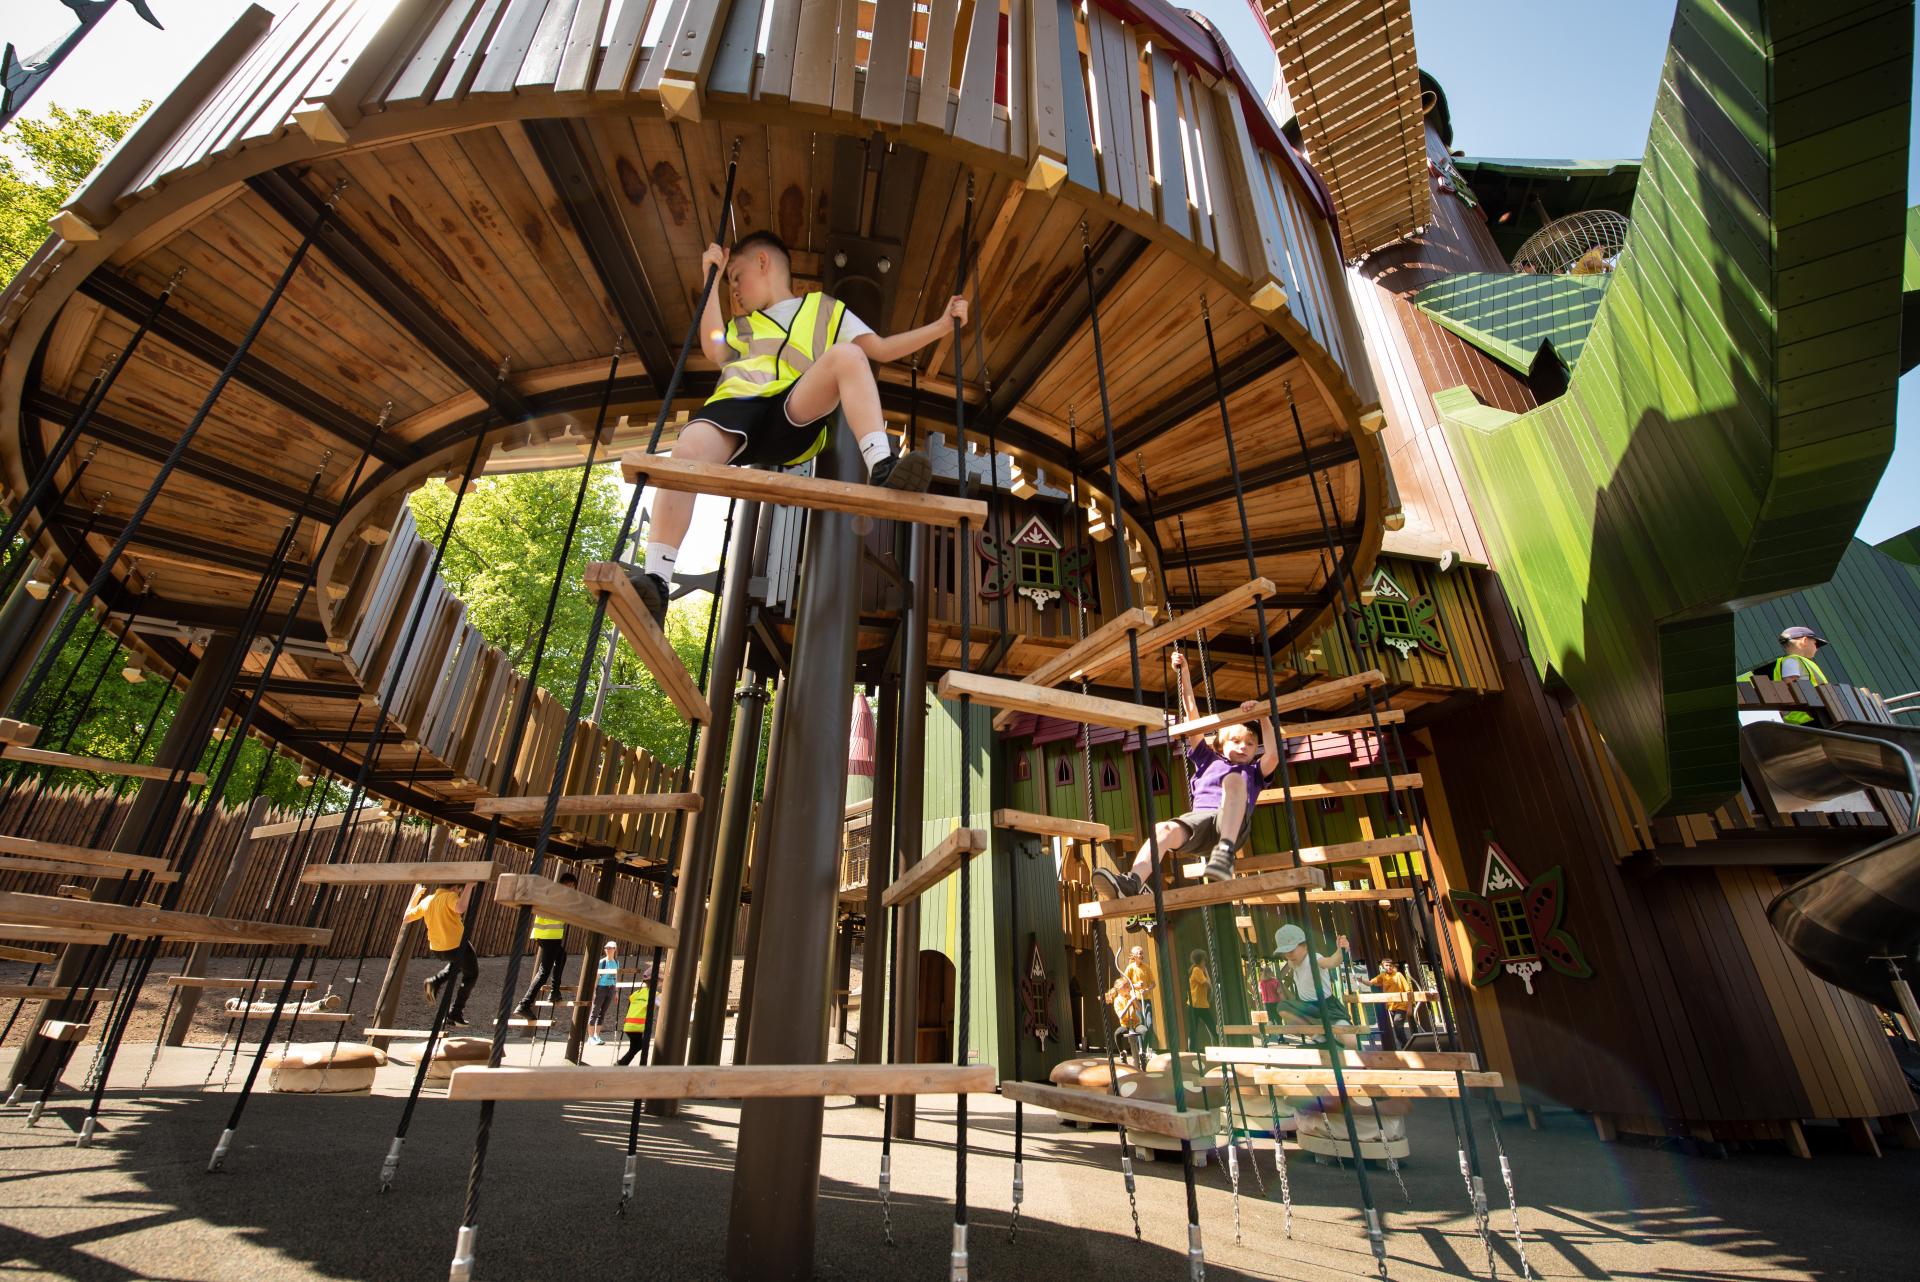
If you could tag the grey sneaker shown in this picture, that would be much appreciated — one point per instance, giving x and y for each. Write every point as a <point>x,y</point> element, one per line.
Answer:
<point>1220,863</point>
<point>910,472</point>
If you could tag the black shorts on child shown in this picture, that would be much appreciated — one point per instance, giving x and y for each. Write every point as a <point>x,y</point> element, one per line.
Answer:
<point>768,436</point>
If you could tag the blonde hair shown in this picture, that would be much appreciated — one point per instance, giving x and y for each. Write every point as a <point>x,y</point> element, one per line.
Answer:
<point>1220,736</point>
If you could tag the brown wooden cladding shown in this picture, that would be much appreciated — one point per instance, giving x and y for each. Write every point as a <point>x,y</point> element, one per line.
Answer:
<point>1695,1012</point>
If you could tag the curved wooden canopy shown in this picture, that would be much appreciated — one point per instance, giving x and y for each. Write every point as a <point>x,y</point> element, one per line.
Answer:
<point>519,183</point>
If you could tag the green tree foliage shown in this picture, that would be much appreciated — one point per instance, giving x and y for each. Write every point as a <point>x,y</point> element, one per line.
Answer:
<point>43,164</point>
<point>501,562</point>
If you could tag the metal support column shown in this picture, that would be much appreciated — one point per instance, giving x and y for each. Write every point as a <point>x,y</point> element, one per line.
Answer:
<point>736,818</point>
<point>757,873</point>
<point>908,813</point>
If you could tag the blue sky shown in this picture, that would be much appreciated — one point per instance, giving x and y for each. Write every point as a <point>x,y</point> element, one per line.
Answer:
<point>1522,79</point>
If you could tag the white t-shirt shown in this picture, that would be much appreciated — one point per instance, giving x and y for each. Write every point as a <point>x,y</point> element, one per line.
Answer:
<point>1303,980</point>
<point>783,312</point>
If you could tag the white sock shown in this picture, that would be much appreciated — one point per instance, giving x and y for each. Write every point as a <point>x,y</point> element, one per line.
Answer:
<point>874,448</point>
<point>660,559</point>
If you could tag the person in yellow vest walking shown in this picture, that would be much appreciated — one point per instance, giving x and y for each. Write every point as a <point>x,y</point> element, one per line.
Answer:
<point>441,908</point>
<point>550,940</point>
<point>787,362</point>
<point>635,1024</point>
<point>1798,645</point>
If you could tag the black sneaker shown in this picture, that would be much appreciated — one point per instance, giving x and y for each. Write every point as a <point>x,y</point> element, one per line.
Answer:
<point>1116,885</point>
<point>910,472</point>
<point>653,592</point>
<point>1219,864</point>
<point>524,1010</point>
<point>456,1019</point>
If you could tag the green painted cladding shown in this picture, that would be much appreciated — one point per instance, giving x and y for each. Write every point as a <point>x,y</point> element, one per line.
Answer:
<point>1733,408</point>
<point>1869,611</point>
<point>1509,315</point>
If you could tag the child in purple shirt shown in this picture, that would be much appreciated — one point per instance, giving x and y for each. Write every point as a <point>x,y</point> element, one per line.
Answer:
<point>1227,775</point>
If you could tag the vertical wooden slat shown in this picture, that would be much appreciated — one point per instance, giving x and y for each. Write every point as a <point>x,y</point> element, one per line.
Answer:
<point>540,69</point>
<point>813,57</point>
<point>885,99</point>
<point>1173,165</point>
<point>575,72</point>
<point>733,62</point>
<point>507,51</point>
<point>1209,105</point>
<point>678,69</point>
<point>622,57</point>
<point>846,52</point>
<point>465,63</point>
<point>973,122</point>
<point>936,70</point>
<point>783,40</point>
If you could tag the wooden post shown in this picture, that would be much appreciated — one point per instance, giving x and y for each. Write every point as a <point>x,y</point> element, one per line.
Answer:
<point>589,968</point>
<point>406,942</point>
<point>25,625</point>
<point>187,1000</point>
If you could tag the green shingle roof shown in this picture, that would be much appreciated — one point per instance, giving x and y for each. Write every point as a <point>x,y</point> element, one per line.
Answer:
<point>1508,315</point>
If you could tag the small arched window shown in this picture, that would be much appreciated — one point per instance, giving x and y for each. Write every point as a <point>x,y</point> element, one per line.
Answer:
<point>1063,771</point>
<point>1109,776</point>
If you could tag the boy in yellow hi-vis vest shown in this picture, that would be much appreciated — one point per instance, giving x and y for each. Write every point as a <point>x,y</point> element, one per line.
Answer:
<point>788,361</point>
<point>635,1024</point>
<point>550,941</point>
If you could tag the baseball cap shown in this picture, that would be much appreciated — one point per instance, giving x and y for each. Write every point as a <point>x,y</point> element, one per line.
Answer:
<point>611,943</point>
<point>1795,632</point>
<point>1288,938</point>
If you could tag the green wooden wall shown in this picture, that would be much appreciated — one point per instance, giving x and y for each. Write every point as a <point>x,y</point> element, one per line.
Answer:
<point>1733,407</point>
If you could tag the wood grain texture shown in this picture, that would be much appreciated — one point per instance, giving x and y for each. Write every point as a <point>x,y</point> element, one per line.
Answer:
<point>644,638</point>
<point>592,804</point>
<point>83,855</point>
<point>236,983</point>
<point>1337,788</point>
<point>128,919</point>
<point>551,899</point>
<point>1217,892</point>
<point>1050,825</point>
<point>744,1081</point>
<point>1335,853</point>
<point>96,765</point>
<point>789,490</point>
<point>935,866</point>
<point>401,873</point>
<point>1316,1057</point>
<point>1117,1110</point>
<point>322,823</point>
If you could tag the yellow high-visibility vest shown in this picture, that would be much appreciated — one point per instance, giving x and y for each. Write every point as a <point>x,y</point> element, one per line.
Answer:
<point>636,1020</point>
<point>769,358</point>
<point>548,927</point>
<point>1814,675</point>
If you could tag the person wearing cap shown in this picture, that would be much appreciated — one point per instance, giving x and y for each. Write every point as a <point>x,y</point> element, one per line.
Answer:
<point>1310,996</point>
<point>1798,645</point>
<point>603,990</point>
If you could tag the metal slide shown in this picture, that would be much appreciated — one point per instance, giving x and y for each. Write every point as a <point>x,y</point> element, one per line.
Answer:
<point>1845,921</point>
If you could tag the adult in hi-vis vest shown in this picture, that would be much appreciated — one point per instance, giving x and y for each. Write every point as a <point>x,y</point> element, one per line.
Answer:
<point>787,362</point>
<point>550,942</point>
<point>635,1024</point>
<point>1797,648</point>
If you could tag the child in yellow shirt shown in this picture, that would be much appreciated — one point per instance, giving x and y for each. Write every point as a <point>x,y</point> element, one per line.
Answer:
<point>442,908</point>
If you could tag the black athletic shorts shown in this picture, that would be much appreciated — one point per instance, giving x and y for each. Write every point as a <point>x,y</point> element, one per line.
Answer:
<point>767,436</point>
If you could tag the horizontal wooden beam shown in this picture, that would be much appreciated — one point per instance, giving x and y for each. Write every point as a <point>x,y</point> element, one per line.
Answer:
<point>1320,1057</point>
<point>1018,696</point>
<point>63,1030</point>
<point>1050,825</point>
<point>86,856</point>
<point>134,919</point>
<point>935,866</point>
<point>1116,1110</point>
<point>1062,665</point>
<point>1213,892</point>
<point>237,983</point>
<point>1291,544</point>
<point>33,956</point>
<point>95,765</point>
<point>1313,696</point>
<point>789,490</point>
<point>65,868</point>
<point>1181,502</point>
<point>1336,789</point>
<point>20,732</point>
<point>1236,372</point>
<point>592,803</point>
<point>1334,853</point>
<point>1185,624</point>
<point>323,823</point>
<point>55,934</point>
<point>445,872</point>
<point>32,992</point>
<point>727,1081</point>
<point>551,899</point>
<point>1382,1083</point>
<point>644,638</point>
<point>182,544</point>
<point>290,1013</point>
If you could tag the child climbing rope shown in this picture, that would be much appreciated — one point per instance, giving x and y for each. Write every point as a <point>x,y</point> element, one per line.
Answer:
<point>788,361</point>
<point>550,939</point>
<point>1226,782</point>
<point>443,909</point>
<point>635,1024</point>
<point>603,989</point>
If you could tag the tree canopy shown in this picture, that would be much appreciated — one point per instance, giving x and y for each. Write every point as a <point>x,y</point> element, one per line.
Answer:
<point>58,154</point>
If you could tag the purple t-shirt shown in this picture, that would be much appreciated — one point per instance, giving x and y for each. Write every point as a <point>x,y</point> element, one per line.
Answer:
<point>1210,771</point>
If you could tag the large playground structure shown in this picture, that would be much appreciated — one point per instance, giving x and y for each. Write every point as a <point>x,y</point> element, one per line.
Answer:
<point>1482,478</point>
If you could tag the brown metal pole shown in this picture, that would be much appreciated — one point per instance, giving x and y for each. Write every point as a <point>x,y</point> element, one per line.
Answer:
<point>873,944</point>
<point>909,811</point>
<point>25,625</point>
<point>716,945</point>
<point>187,1000</point>
<point>776,1180</point>
<point>709,776</point>
<point>757,873</point>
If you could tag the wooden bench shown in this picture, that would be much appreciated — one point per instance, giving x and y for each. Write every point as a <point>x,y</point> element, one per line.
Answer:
<point>644,637</point>
<point>551,899</point>
<point>935,866</point>
<point>726,1081</point>
<point>1114,1110</point>
<point>789,490</point>
<point>592,803</point>
<point>1018,696</point>
<point>1214,892</point>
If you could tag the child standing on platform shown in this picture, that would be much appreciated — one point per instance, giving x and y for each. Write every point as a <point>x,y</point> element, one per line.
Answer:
<point>550,939</point>
<point>787,362</point>
<point>443,909</point>
<point>603,990</point>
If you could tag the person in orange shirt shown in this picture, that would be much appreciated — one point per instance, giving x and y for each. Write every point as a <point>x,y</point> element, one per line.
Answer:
<point>1200,1005</point>
<point>1392,980</point>
<point>443,909</point>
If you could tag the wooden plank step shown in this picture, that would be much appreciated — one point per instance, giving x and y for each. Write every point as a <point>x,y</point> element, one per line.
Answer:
<point>1378,1083</point>
<point>431,872</point>
<point>1339,788</point>
<point>551,899</point>
<point>592,803</point>
<point>1050,825</point>
<point>55,935</point>
<point>789,490</point>
<point>32,992</point>
<point>998,692</point>
<point>1115,1110</point>
<point>1062,665</point>
<point>35,956</point>
<point>935,866</point>
<point>1213,892</point>
<point>644,638</point>
<point>289,1014</point>
<point>85,855</point>
<point>1317,855</point>
<point>67,868</point>
<point>1198,619</point>
<point>1314,696</point>
<point>325,823</point>
<point>62,1030</point>
<point>727,1081</point>
<point>22,733</point>
<point>97,765</point>
<point>130,919</point>
<point>517,1021</point>
<point>216,982</point>
<point>1319,1057</point>
<point>1383,999</point>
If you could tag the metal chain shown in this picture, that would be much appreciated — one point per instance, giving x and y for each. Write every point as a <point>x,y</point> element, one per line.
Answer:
<point>1393,1163</point>
<point>1280,1163</point>
<point>1477,1199</point>
<point>1513,1207</point>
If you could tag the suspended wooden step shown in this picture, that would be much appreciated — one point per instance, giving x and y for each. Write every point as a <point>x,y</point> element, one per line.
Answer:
<point>422,1033</point>
<point>1198,619</point>
<point>1320,1057</point>
<point>61,1030</point>
<point>324,823</point>
<point>32,992</point>
<point>1367,1083</point>
<point>1114,1110</point>
<point>1335,853</point>
<point>520,1022</point>
<point>54,934</point>
<point>1099,641</point>
<point>644,638</point>
<point>32,956</point>
<point>289,1014</point>
<point>1338,690</point>
<point>20,733</point>
<point>591,803</point>
<point>569,1002</point>
<point>551,899</point>
<point>130,919</point>
<point>86,856</point>
<point>726,1081</point>
<point>97,765</point>
<point>1050,825</point>
<point>68,868</point>
<point>1213,892</point>
<point>431,872</point>
<point>789,490</point>
<point>239,985</point>
<point>935,866</point>
<point>1337,789</point>
<point>1018,696</point>
<point>1383,999</point>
